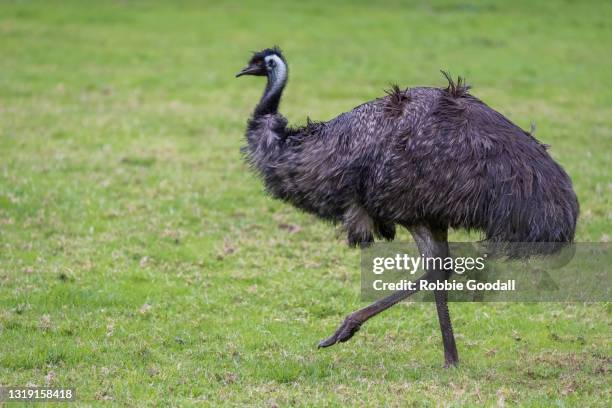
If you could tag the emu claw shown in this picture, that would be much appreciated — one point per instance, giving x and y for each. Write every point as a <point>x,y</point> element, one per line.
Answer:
<point>346,330</point>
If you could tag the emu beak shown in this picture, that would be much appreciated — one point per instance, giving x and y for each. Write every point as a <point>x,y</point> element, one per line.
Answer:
<point>250,70</point>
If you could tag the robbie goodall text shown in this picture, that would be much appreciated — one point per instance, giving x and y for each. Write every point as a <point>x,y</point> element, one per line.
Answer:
<point>449,285</point>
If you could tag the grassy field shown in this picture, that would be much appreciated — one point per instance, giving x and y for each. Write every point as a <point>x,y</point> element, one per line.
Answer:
<point>141,262</point>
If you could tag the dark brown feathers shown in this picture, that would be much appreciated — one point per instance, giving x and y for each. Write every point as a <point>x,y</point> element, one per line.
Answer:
<point>457,89</point>
<point>260,55</point>
<point>464,165</point>
<point>394,104</point>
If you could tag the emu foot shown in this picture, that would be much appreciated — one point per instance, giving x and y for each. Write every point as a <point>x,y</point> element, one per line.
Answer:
<point>346,330</point>
<point>451,363</point>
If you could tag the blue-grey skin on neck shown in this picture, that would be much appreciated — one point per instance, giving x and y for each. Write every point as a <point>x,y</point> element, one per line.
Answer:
<point>277,79</point>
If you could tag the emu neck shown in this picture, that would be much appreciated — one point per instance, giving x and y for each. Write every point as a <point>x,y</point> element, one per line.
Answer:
<point>270,100</point>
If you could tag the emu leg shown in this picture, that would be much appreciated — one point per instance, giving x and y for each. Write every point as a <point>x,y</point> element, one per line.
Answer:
<point>352,323</point>
<point>431,243</point>
<point>434,243</point>
<point>451,357</point>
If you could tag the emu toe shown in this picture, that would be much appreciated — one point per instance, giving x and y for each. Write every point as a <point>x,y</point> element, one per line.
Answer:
<point>451,364</point>
<point>346,330</point>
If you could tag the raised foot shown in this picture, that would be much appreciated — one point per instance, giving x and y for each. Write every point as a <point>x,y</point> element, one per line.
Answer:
<point>346,330</point>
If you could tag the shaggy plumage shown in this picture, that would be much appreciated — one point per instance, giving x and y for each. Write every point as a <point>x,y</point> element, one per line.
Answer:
<point>438,156</point>
<point>425,158</point>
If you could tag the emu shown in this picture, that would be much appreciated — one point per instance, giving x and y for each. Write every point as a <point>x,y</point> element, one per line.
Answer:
<point>427,159</point>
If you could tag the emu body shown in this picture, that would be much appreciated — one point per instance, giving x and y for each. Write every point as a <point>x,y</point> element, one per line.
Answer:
<point>425,158</point>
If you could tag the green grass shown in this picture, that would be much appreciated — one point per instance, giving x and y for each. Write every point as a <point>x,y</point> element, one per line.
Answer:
<point>141,262</point>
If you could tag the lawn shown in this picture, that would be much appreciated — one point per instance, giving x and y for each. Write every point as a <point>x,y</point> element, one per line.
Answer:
<point>141,262</point>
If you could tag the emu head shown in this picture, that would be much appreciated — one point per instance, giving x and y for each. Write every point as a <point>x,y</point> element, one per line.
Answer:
<point>269,62</point>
